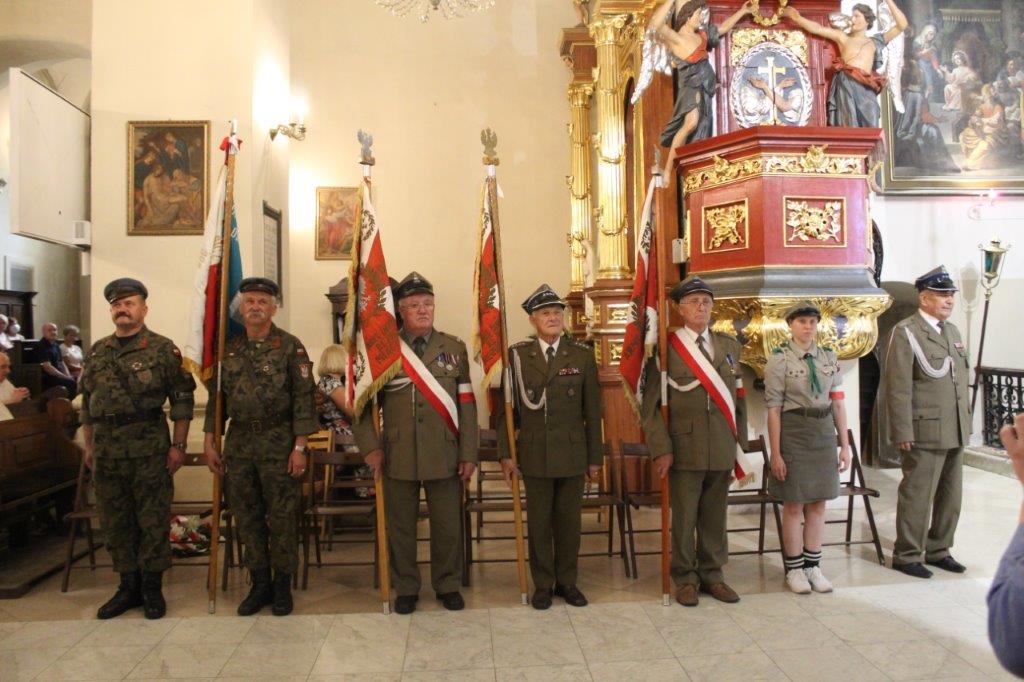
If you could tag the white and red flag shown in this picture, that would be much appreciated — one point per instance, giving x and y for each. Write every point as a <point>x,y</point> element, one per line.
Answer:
<point>486,295</point>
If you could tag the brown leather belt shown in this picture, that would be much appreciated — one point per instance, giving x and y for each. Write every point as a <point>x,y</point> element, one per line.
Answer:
<point>811,412</point>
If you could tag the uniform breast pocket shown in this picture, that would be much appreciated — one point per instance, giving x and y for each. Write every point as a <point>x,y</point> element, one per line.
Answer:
<point>232,369</point>
<point>569,385</point>
<point>144,374</point>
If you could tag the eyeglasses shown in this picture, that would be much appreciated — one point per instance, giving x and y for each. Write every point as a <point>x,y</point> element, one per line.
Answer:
<point>699,304</point>
<point>417,306</point>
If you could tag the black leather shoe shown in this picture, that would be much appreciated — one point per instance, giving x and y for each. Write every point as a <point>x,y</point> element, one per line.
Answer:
<point>153,604</point>
<point>914,569</point>
<point>128,596</point>
<point>541,598</point>
<point>406,604</point>
<point>282,594</point>
<point>259,595</point>
<point>948,563</point>
<point>571,594</point>
<point>451,601</point>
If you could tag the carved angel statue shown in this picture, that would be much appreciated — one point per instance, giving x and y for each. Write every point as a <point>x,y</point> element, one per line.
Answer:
<point>680,41</point>
<point>853,96</point>
<point>892,55</point>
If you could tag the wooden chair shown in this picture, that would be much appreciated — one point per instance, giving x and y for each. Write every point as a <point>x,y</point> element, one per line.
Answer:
<point>740,496</point>
<point>483,502</point>
<point>322,508</point>
<point>852,489</point>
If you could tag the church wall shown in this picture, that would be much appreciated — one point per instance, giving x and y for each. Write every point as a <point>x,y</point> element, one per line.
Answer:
<point>425,91</point>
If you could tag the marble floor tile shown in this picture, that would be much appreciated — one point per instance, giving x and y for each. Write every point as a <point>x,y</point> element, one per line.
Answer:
<point>951,621</point>
<point>527,637</point>
<point>978,652</point>
<point>773,633</point>
<point>357,677</point>
<point>617,632</point>
<point>94,663</point>
<point>271,660</point>
<point>206,630</point>
<point>449,640</point>
<point>130,632</point>
<point>916,660</point>
<point>183,661</point>
<point>294,628</point>
<point>658,670</point>
<point>839,602</point>
<point>25,664</point>
<point>865,628</point>
<point>363,643</point>
<point>834,662</point>
<point>721,635</point>
<point>47,634</point>
<point>749,665</point>
<point>543,673</point>
<point>478,675</point>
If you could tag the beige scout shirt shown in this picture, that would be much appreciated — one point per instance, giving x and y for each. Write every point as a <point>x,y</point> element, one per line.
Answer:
<point>787,378</point>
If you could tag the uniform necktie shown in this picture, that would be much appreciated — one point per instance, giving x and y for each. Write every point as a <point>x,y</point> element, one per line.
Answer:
<point>703,349</point>
<point>419,344</point>
<point>550,352</point>
<point>815,384</point>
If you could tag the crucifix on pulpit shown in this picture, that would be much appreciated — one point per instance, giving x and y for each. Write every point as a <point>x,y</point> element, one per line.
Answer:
<point>771,71</point>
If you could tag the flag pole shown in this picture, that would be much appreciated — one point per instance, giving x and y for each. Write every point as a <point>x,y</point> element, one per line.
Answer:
<point>367,161</point>
<point>491,161</point>
<point>218,397</point>
<point>663,313</point>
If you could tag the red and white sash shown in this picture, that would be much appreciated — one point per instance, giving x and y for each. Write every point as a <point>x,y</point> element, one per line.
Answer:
<point>717,390</point>
<point>432,390</point>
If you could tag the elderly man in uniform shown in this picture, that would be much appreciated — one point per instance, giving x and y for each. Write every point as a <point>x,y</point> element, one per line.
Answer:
<point>128,377</point>
<point>558,418</point>
<point>268,396</point>
<point>697,450</point>
<point>926,371</point>
<point>424,442</point>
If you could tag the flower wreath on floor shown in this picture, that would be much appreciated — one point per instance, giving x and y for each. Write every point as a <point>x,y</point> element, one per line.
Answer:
<point>190,535</point>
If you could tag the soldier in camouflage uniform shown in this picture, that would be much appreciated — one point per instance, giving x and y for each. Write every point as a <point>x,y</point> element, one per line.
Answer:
<point>418,447</point>
<point>127,378</point>
<point>268,396</point>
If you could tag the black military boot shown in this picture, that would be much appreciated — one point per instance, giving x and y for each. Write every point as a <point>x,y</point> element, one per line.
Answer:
<point>153,604</point>
<point>259,595</point>
<point>128,596</point>
<point>282,593</point>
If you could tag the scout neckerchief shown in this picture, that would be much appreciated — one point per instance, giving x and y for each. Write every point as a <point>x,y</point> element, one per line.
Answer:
<point>432,390</point>
<point>812,370</point>
<point>715,386</point>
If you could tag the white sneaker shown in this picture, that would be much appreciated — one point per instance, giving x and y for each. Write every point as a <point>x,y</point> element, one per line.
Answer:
<point>817,579</point>
<point>796,581</point>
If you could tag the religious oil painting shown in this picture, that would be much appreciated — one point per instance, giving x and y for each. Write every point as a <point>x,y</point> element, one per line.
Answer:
<point>335,220</point>
<point>963,88</point>
<point>167,177</point>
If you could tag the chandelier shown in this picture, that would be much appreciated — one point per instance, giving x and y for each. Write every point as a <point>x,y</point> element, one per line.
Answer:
<point>448,8</point>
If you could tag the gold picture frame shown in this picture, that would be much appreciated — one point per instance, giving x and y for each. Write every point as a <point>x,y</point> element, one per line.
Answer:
<point>168,177</point>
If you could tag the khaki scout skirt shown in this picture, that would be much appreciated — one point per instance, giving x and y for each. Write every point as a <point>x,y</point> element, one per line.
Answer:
<point>809,451</point>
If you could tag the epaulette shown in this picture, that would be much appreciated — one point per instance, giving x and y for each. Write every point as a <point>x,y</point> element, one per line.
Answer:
<point>521,344</point>
<point>450,336</point>
<point>579,344</point>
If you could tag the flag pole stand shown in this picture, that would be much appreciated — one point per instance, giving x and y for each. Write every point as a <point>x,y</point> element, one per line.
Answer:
<point>383,557</point>
<point>222,329</point>
<point>490,141</point>
<point>666,522</point>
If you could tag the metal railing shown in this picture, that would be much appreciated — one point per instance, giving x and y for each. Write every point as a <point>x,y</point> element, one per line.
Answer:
<point>1003,396</point>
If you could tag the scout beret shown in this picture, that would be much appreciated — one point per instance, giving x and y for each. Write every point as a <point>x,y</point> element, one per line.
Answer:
<point>690,285</point>
<point>543,297</point>
<point>802,309</point>
<point>936,280</point>
<point>123,288</point>
<point>260,284</point>
<point>414,283</point>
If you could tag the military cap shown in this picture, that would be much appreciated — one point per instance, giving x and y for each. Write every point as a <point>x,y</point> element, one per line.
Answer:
<point>690,285</point>
<point>123,288</point>
<point>414,283</point>
<point>936,280</point>
<point>802,309</point>
<point>543,297</point>
<point>260,284</point>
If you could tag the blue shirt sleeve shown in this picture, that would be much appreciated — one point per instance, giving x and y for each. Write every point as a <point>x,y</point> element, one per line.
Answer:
<point>1006,607</point>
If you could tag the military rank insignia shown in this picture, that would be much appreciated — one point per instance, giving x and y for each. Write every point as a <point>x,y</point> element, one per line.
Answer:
<point>569,371</point>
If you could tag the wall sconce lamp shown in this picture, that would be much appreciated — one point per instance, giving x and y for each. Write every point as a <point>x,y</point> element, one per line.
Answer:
<point>296,127</point>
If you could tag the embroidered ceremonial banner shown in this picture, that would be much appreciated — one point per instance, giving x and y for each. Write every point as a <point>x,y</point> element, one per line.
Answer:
<point>487,318</point>
<point>371,331</point>
<point>642,324</point>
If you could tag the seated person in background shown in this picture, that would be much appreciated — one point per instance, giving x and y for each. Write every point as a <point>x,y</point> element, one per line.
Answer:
<point>55,372</point>
<point>1006,597</point>
<point>14,330</point>
<point>335,413</point>
<point>9,393</point>
<point>5,340</point>
<point>71,352</point>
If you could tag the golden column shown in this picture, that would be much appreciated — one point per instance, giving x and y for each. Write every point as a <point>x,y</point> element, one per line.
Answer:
<point>609,142</point>
<point>579,182</point>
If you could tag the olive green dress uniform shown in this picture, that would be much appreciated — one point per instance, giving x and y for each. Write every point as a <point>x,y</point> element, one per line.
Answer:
<point>808,433</point>
<point>704,450</point>
<point>934,414</point>
<point>124,388</point>
<point>555,443</point>
<point>268,398</point>
<point>419,448</point>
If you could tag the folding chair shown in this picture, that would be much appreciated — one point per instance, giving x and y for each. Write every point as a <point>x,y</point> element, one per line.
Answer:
<point>852,489</point>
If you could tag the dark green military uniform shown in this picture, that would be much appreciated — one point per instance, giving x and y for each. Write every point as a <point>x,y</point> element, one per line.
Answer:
<point>268,396</point>
<point>558,416</point>
<point>420,448</point>
<point>704,450</point>
<point>124,388</point>
<point>926,373</point>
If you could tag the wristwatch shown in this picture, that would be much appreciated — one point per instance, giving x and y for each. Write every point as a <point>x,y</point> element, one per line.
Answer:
<point>299,448</point>
<point>180,446</point>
